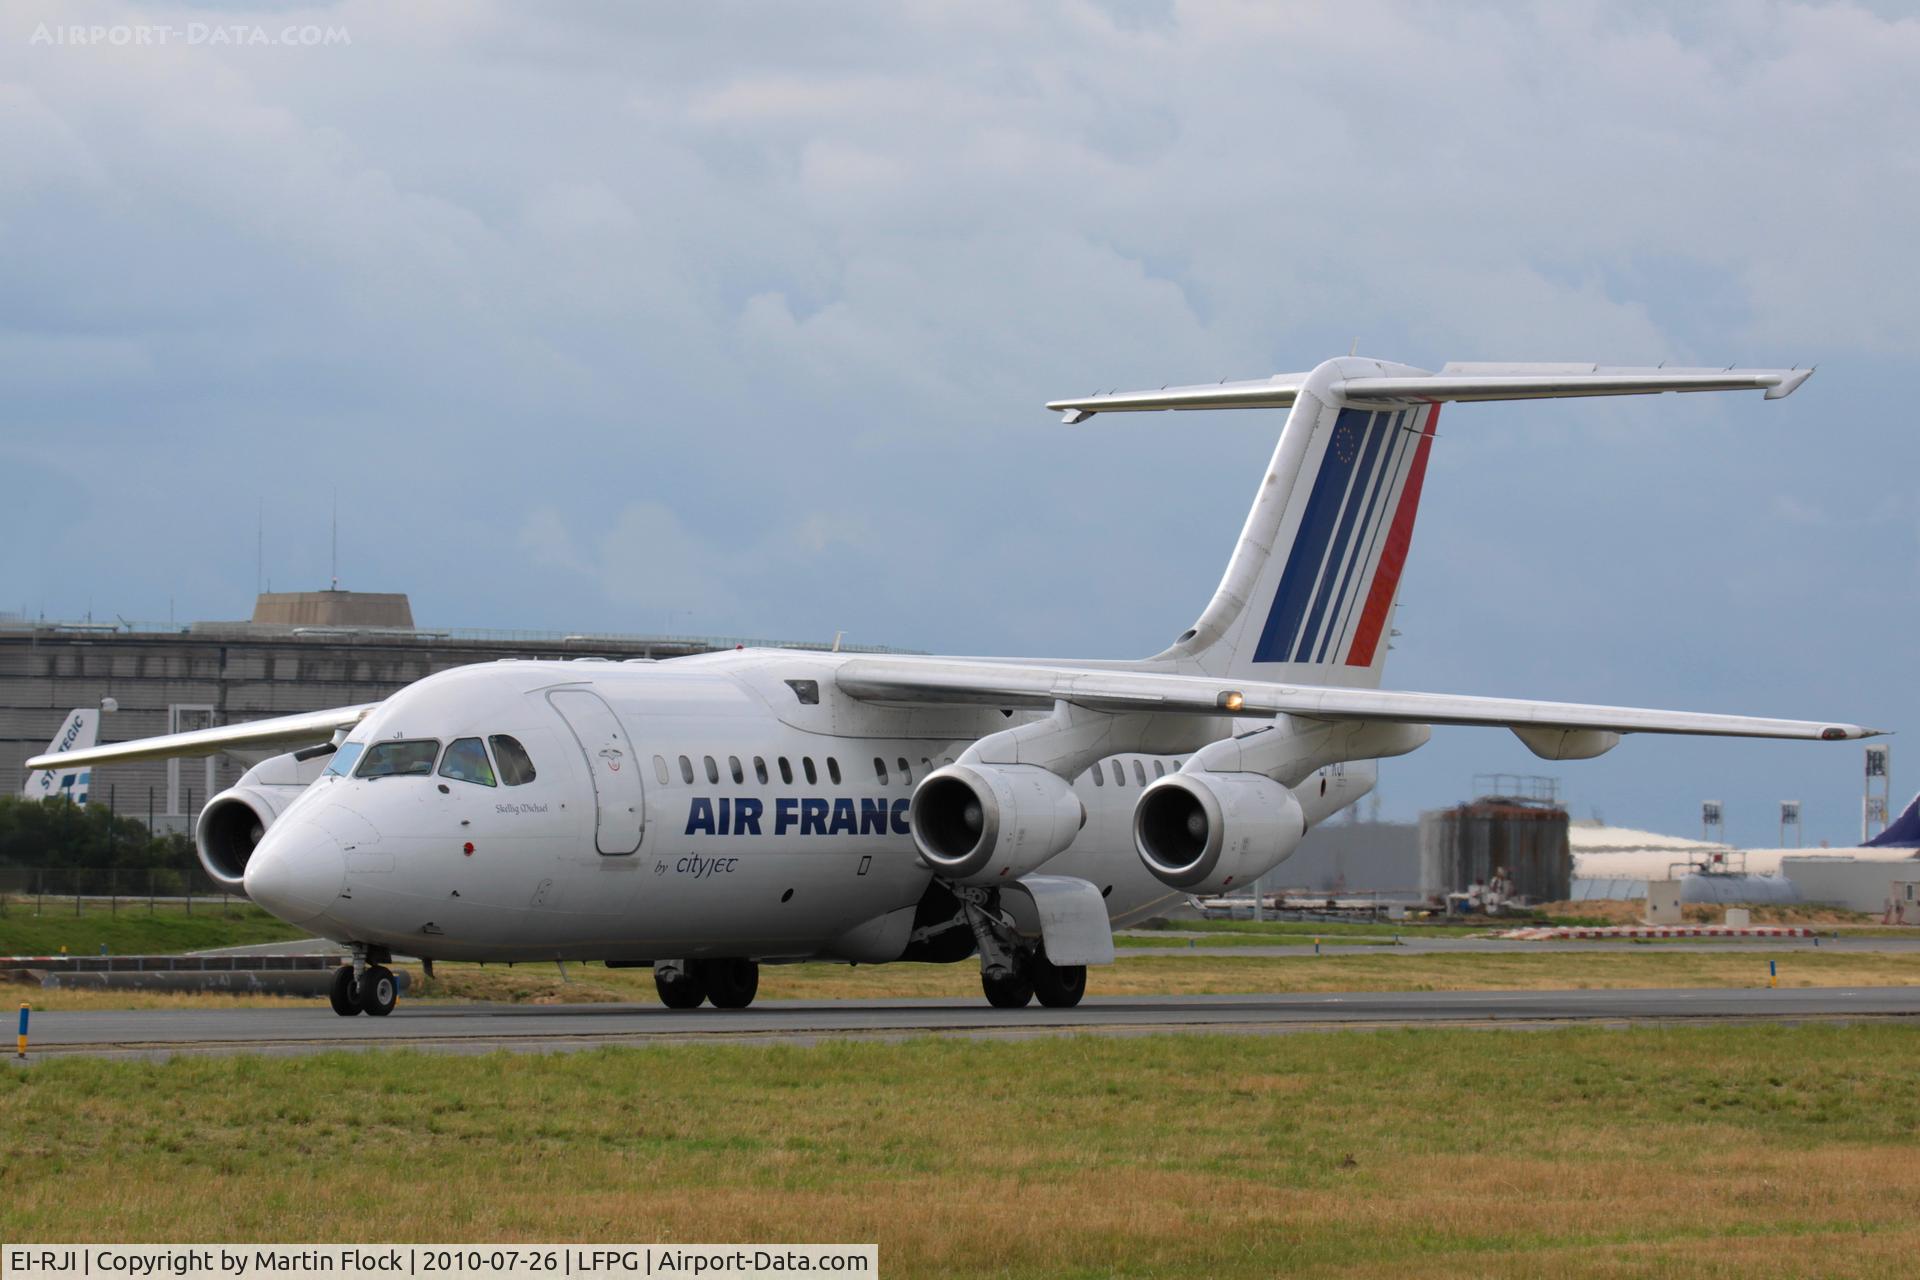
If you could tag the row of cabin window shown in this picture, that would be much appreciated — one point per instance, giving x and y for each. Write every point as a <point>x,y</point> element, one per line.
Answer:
<point>763,776</point>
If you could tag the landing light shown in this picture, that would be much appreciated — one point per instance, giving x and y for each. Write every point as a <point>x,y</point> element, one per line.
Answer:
<point>1233,700</point>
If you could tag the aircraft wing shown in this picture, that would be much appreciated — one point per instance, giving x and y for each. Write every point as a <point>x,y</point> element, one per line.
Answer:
<point>1456,381</point>
<point>910,681</point>
<point>309,728</point>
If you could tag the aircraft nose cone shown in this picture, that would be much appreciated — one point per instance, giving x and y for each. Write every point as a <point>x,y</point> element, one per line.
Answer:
<point>297,871</point>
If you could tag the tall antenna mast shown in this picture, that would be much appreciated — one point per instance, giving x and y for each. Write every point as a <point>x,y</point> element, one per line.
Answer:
<point>334,567</point>
<point>260,551</point>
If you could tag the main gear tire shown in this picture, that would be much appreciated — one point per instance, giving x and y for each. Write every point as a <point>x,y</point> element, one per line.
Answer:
<point>1059,986</point>
<point>687,991</point>
<point>1011,992</point>
<point>731,984</point>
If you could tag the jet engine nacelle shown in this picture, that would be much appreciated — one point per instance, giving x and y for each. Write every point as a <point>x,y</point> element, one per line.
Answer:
<point>229,828</point>
<point>1205,832</point>
<point>980,824</point>
<point>233,822</point>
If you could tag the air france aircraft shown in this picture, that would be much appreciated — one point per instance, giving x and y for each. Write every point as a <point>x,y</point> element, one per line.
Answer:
<point>708,815</point>
<point>58,774</point>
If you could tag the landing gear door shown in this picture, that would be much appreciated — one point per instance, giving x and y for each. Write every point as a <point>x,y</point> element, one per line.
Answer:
<point>618,796</point>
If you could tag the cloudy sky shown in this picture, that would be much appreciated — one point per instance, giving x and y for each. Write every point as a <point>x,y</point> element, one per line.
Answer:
<point>736,319</point>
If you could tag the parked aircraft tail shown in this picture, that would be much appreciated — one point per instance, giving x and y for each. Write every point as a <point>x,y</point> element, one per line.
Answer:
<point>77,733</point>
<point>1903,832</point>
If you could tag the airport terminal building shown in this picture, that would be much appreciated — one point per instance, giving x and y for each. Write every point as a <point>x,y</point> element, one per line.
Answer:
<point>300,651</point>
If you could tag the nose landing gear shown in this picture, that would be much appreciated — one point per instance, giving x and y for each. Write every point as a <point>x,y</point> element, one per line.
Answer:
<point>363,988</point>
<point>378,992</point>
<point>345,992</point>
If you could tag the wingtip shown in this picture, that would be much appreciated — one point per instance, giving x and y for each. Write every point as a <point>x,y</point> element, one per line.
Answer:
<point>1789,384</point>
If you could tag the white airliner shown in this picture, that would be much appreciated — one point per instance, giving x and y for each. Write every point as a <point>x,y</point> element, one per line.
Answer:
<point>58,774</point>
<point>710,814</point>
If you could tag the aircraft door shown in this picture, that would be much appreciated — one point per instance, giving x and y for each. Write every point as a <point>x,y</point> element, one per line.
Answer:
<point>618,794</point>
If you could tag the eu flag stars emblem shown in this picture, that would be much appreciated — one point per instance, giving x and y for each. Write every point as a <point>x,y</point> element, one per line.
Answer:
<point>1345,443</point>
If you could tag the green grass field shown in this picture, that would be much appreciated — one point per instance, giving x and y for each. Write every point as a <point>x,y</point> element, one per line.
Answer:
<point>134,930</point>
<point>1748,1151</point>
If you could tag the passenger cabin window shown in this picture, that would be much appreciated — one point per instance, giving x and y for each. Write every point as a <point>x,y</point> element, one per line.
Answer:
<point>880,770</point>
<point>660,770</point>
<point>713,770</point>
<point>395,759</point>
<point>906,773</point>
<point>733,767</point>
<point>466,760</point>
<point>686,770</point>
<point>926,766</point>
<point>516,766</point>
<point>342,763</point>
<point>760,768</point>
<point>1119,775</point>
<point>786,771</point>
<point>813,775</point>
<point>833,771</point>
<point>1159,769</point>
<point>1139,773</point>
<point>1099,775</point>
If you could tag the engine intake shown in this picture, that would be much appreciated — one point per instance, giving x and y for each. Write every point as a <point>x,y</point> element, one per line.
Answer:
<point>1205,832</point>
<point>980,824</point>
<point>230,828</point>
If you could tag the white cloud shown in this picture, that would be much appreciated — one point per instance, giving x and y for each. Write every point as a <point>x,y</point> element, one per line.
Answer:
<point>728,308</point>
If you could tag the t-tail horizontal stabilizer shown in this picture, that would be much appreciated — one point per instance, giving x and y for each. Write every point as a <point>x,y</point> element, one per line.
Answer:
<point>1455,381</point>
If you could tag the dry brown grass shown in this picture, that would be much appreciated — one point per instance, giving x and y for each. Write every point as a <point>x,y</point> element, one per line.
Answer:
<point>1200,974</point>
<point>1217,974</point>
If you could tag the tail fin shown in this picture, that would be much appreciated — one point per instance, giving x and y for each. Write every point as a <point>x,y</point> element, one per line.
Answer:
<point>77,732</point>
<point>1309,593</point>
<point>1310,590</point>
<point>1903,832</point>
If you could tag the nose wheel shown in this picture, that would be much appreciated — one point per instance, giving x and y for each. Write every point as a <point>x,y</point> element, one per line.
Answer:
<point>345,992</point>
<point>372,992</point>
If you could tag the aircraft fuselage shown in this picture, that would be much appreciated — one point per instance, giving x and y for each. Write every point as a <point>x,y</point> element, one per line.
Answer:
<point>733,805</point>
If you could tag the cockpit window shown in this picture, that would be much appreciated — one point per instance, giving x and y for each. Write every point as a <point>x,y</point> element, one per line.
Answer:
<point>466,760</point>
<point>392,759</point>
<point>516,766</point>
<point>342,763</point>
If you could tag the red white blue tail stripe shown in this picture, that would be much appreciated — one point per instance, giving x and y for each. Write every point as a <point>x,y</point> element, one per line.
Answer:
<point>1350,546</point>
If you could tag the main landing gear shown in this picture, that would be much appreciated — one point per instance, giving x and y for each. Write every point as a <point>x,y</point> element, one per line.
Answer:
<point>363,988</point>
<point>1059,986</point>
<point>686,984</point>
<point>1012,971</point>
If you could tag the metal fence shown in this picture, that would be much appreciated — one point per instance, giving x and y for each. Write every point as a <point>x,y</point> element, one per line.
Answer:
<point>86,890</point>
